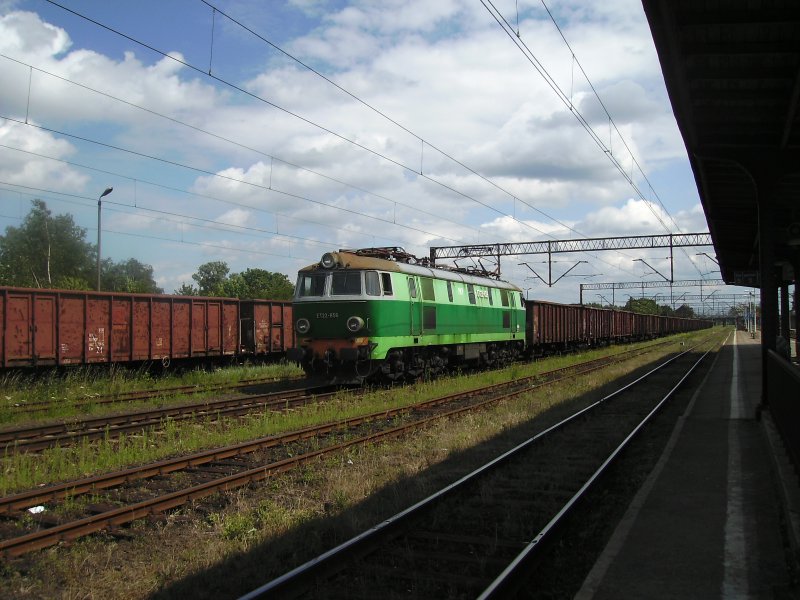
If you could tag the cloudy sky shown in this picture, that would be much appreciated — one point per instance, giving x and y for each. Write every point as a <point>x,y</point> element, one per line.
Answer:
<point>266,133</point>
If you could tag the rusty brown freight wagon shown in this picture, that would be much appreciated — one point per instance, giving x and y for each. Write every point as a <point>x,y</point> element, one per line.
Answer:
<point>65,327</point>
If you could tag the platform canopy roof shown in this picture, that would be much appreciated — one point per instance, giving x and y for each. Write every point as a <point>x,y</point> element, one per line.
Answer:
<point>732,70</point>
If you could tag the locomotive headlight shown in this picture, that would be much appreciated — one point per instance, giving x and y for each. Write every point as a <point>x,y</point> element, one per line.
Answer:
<point>302,326</point>
<point>328,260</point>
<point>355,324</point>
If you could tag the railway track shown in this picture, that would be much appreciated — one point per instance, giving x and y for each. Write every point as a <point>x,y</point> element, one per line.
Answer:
<point>125,499</point>
<point>38,437</point>
<point>33,438</point>
<point>478,536</point>
<point>42,406</point>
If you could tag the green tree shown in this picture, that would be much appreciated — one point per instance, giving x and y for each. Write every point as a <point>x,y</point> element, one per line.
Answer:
<point>211,277</point>
<point>130,276</point>
<point>684,311</point>
<point>666,310</point>
<point>213,280</point>
<point>46,251</point>
<point>260,283</point>
<point>186,289</point>
<point>645,306</point>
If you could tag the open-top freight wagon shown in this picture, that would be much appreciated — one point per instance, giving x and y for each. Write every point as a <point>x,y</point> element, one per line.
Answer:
<point>554,327</point>
<point>66,327</point>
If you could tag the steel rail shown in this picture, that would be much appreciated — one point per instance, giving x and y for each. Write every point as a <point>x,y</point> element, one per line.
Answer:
<point>134,395</point>
<point>501,586</point>
<point>36,496</point>
<point>328,560</point>
<point>39,437</point>
<point>73,530</point>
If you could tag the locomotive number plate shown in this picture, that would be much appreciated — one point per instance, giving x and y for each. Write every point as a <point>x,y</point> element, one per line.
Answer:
<point>328,315</point>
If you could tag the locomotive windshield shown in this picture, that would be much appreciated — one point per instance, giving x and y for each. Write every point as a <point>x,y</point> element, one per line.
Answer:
<point>311,285</point>
<point>346,283</point>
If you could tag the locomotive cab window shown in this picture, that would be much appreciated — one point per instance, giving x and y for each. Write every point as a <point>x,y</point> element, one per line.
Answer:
<point>386,280</point>
<point>489,295</point>
<point>412,287</point>
<point>450,291</point>
<point>504,297</point>
<point>346,283</point>
<point>311,285</point>
<point>427,289</point>
<point>471,293</point>
<point>372,283</point>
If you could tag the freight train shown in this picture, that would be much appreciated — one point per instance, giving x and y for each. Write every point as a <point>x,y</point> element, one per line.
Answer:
<point>357,315</point>
<point>41,327</point>
<point>381,314</point>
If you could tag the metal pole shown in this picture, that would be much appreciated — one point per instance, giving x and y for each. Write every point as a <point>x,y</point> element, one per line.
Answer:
<point>99,209</point>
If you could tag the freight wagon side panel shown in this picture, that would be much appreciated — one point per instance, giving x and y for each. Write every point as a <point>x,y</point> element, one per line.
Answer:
<point>18,330</point>
<point>121,324</point>
<point>288,326</point>
<point>214,328</point>
<point>71,318</point>
<point>230,327</point>
<point>277,335</point>
<point>262,327</point>
<point>181,328</point>
<point>44,334</point>
<point>161,328</point>
<point>98,318</point>
<point>140,329</point>
<point>199,331</point>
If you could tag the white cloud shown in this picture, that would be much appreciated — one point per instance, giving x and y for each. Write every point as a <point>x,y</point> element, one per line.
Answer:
<point>443,70</point>
<point>28,169</point>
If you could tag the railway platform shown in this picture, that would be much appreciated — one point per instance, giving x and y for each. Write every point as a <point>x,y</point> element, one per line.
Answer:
<point>717,516</point>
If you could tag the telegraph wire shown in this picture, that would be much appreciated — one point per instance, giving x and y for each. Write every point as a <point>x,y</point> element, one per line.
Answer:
<point>212,224</point>
<point>296,115</point>
<point>230,141</point>
<point>366,104</point>
<point>226,177</point>
<point>181,191</point>
<point>145,236</point>
<point>608,114</point>
<point>422,140</point>
<point>347,140</point>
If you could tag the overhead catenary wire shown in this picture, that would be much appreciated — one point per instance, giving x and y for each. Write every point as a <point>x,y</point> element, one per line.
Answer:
<point>182,241</point>
<point>220,176</point>
<point>293,114</point>
<point>227,140</point>
<point>165,215</point>
<point>619,133</point>
<point>423,142</point>
<point>136,180</point>
<point>325,129</point>
<point>333,133</point>
<point>566,100</point>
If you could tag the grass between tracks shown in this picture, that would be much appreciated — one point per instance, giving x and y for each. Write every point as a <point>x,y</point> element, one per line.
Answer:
<point>84,384</point>
<point>254,534</point>
<point>24,471</point>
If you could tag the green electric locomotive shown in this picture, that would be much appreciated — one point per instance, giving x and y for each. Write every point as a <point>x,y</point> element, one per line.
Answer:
<point>374,314</point>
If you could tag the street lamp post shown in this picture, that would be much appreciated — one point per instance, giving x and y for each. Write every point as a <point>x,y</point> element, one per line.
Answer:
<point>99,205</point>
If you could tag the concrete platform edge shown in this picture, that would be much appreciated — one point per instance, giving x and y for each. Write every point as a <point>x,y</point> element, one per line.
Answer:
<point>617,541</point>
